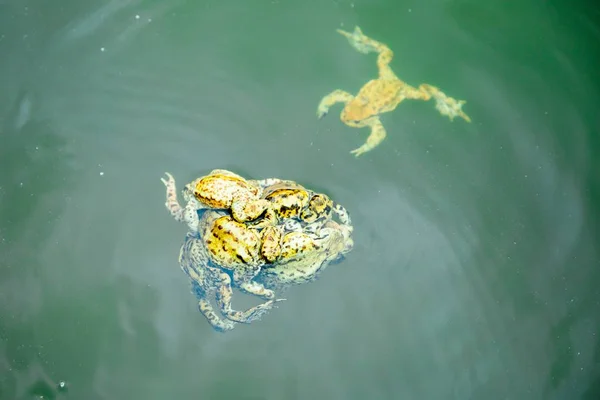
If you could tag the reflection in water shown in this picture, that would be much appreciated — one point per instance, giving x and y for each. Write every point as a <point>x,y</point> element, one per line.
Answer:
<point>475,253</point>
<point>35,173</point>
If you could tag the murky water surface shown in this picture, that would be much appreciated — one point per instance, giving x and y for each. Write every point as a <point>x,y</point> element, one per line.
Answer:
<point>475,271</point>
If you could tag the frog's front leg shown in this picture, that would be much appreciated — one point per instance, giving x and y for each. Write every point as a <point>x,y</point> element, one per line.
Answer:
<point>172,203</point>
<point>244,209</point>
<point>446,105</point>
<point>187,214</point>
<point>375,137</point>
<point>337,96</point>
<point>264,183</point>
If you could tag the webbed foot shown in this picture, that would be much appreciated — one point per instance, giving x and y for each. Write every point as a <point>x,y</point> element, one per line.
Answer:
<point>337,96</point>
<point>375,137</point>
<point>447,105</point>
<point>256,289</point>
<point>359,41</point>
<point>250,315</point>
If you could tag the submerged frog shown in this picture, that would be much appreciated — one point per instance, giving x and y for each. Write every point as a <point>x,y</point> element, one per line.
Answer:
<point>290,200</point>
<point>230,244</point>
<point>210,282</point>
<point>334,242</point>
<point>223,189</point>
<point>382,94</point>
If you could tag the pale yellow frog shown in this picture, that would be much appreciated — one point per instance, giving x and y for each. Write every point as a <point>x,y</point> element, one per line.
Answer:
<point>382,94</point>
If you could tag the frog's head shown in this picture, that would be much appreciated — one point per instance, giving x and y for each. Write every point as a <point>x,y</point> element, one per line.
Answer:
<point>319,206</point>
<point>356,111</point>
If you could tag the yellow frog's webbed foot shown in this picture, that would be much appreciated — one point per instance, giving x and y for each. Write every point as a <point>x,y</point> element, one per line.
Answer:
<point>377,135</point>
<point>447,105</point>
<point>359,41</point>
<point>337,96</point>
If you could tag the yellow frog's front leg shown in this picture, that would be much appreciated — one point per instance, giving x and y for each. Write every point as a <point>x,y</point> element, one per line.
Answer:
<point>244,209</point>
<point>337,96</point>
<point>377,135</point>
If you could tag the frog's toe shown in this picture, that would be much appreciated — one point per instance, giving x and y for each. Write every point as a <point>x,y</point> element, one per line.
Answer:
<point>321,113</point>
<point>169,180</point>
<point>225,326</point>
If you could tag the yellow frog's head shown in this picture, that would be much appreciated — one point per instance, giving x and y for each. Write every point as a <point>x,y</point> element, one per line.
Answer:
<point>357,111</point>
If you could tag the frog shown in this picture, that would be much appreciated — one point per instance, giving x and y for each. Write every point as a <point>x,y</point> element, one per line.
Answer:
<point>333,244</point>
<point>291,201</point>
<point>224,189</point>
<point>382,95</point>
<point>210,282</point>
<point>230,244</point>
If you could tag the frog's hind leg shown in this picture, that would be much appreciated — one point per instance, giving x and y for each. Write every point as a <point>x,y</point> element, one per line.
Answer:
<point>446,105</point>
<point>375,137</point>
<point>337,96</point>
<point>207,310</point>
<point>365,45</point>
<point>224,295</point>
<point>219,324</point>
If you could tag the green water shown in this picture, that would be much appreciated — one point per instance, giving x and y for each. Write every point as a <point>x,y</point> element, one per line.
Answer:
<point>475,273</point>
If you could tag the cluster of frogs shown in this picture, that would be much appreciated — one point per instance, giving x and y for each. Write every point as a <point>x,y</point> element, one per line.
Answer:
<point>260,236</point>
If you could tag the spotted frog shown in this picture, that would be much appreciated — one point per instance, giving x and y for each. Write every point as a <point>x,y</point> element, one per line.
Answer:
<point>291,201</point>
<point>230,244</point>
<point>223,189</point>
<point>333,243</point>
<point>382,94</point>
<point>209,281</point>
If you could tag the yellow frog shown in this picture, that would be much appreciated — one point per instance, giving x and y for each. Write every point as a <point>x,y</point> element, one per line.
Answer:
<point>382,94</point>
<point>290,201</point>
<point>223,189</point>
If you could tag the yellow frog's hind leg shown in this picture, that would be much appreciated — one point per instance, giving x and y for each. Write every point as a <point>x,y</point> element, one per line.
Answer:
<point>375,137</point>
<point>337,96</point>
<point>365,45</point>
<point>446,105</point>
